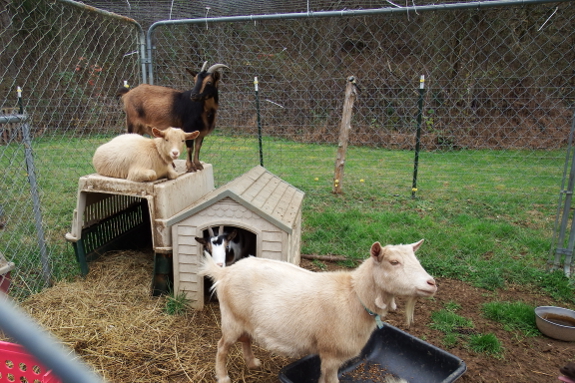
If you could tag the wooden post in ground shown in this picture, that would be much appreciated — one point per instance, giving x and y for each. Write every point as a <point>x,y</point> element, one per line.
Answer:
<point>350,96</point>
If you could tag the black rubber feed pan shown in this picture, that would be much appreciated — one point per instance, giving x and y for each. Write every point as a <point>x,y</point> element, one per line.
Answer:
<point>389,351</point>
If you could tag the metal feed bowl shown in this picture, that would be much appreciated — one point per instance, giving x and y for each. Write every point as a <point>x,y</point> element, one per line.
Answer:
<point>556,322</point>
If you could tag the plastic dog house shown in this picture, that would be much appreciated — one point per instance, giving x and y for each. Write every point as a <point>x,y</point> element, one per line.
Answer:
<point>258,202</point>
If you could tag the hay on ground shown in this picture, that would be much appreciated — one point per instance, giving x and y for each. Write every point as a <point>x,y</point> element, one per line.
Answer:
<point>110,319</point>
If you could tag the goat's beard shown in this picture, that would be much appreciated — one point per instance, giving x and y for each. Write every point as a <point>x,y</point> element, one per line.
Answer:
<point>409,310</point>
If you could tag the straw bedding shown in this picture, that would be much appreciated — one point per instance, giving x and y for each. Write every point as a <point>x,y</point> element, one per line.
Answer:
<point>116,326</point>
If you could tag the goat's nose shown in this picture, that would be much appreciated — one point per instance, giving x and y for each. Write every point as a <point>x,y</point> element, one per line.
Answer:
<point>175,153</point>
<point>431,282</point>
<point>220,264</point>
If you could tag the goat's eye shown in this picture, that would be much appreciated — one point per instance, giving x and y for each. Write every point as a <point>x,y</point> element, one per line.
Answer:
<point>394,262</point>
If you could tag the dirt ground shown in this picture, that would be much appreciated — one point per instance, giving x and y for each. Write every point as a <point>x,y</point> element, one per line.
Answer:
<point>112,322</point>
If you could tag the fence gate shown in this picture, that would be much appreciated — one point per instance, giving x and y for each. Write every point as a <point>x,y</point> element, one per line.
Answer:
<point>18,125</point>
<point>564,244</point>
<point>68,59</point>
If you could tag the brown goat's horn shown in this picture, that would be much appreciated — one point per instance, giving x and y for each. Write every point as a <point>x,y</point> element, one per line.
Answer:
<point>211,231</point>
<point>215,67</point>
<point>204,66</point>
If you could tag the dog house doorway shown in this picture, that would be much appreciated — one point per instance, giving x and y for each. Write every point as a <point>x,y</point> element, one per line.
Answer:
<point>237,242</point>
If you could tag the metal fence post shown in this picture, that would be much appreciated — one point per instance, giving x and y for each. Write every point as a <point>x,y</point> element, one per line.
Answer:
<point>34,191</point>
<point>563,213</point>
<point>259,121</point>
<point>418,135</point>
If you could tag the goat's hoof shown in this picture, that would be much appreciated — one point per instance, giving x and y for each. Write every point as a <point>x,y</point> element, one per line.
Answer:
<point>190,167</point>
<point>226,379</point>
<point>255,363</point>
<point>199,166</point>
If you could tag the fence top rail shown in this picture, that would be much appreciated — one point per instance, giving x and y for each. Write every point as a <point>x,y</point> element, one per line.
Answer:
<point>357,12</point>
<point>325,14</point>
<point>12,118</point>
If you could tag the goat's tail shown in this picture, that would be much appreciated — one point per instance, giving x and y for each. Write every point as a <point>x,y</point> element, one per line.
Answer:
<point>122,91</point>
<point>211,269</point>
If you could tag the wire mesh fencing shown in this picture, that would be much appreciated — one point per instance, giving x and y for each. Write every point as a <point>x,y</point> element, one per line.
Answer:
<point>497,80</point>
<point>68,61</point>
<point>498,103</point>
<point>497,106</point>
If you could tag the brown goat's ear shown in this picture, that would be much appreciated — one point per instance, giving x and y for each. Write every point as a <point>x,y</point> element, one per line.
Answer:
<point>193,73</point>
<point>216,76</point>
<point>201,241</point>
<point>376,251</point>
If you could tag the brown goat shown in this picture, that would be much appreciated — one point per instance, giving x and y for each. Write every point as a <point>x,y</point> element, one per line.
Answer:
<point>148,106</point>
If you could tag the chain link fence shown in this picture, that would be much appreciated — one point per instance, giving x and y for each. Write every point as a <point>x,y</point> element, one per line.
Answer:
<point>499,82</point>
<point>66,58</point>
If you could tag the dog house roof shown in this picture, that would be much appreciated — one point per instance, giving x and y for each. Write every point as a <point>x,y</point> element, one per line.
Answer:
<point>259,191</point>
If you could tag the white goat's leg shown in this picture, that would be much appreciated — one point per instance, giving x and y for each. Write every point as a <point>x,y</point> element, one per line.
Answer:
<point>142,175</point>
<point>329,367</point>
<point>251,360</point>
<point>172,174</point>
<point>221,359</point>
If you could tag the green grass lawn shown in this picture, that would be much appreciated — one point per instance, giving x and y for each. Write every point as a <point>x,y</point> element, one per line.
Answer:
<point>487,216</point>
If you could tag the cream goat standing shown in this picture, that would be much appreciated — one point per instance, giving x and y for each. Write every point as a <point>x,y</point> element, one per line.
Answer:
<point>142,159</point>
<point>293,311</point>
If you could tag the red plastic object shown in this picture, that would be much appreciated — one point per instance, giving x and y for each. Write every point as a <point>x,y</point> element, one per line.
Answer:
<point>5,282</point>
<point>17,366</point>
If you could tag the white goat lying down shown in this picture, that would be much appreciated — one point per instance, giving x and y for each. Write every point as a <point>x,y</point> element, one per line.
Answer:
<point>294,312</point>
<point>142,159</point>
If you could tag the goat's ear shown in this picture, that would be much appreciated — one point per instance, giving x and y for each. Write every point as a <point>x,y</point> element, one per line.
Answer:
<point>376,252</point>
<point>417,245</point>
<point>217,75</point>
<point>201,241</point>
<point>232,235</point>
<point>157,132</point>
<point>193,73</point>
<point>192,135</point>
